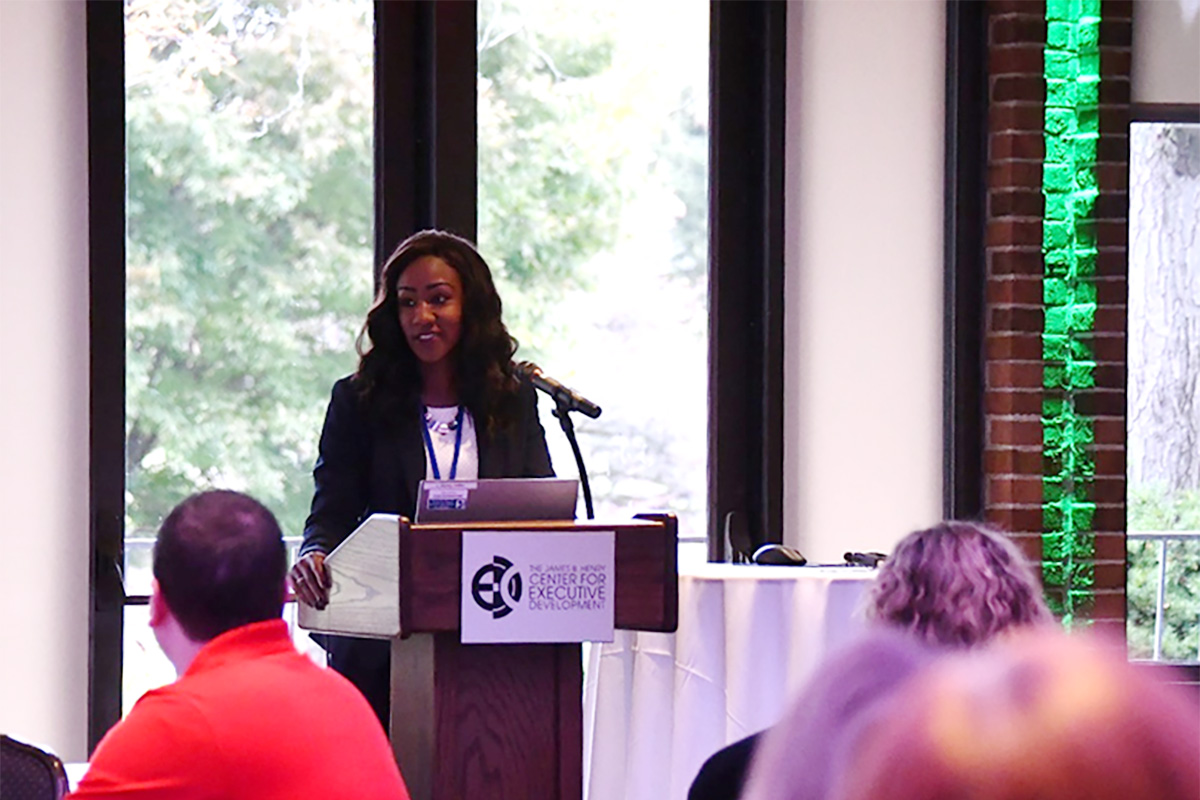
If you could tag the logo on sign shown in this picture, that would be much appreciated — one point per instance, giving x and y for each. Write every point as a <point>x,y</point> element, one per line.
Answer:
<point>496,589</point>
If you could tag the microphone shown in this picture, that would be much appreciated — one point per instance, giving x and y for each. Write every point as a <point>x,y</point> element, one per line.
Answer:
<point>561,394</point>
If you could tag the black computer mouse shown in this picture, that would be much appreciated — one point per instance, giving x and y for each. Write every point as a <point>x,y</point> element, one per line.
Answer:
<point>780,555</point>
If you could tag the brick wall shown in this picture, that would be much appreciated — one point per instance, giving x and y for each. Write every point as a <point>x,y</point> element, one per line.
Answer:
<point>1015,464</point>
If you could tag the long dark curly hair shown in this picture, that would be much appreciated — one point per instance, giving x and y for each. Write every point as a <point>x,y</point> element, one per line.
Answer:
<point>388,375</point>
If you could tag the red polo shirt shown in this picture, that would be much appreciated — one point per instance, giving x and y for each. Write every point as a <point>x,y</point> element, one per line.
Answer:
<point>250,718</point>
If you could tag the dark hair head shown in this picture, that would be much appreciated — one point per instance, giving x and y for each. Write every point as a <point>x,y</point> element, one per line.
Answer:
<point>956,584</point>
<point>388,372</point>
<point>220,562</point>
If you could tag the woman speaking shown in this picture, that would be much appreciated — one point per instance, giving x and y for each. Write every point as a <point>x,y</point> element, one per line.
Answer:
<point>435,397</point>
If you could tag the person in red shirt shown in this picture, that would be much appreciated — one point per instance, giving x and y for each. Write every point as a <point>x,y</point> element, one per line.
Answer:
<point>249,716</point>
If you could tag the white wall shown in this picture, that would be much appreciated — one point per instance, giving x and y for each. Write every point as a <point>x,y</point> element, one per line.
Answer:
<point>1166,51</point>
<point>44,364</point>
<point>863,296</point>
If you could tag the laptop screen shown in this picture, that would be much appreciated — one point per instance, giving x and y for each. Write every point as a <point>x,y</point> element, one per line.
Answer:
<point>497,500</point>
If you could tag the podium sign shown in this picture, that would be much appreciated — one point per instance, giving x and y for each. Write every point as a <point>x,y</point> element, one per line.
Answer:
<point>527,587</point>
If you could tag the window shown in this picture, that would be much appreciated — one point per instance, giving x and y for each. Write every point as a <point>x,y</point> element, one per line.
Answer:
<point>221,321</point>
<point>593,210</point>
<point>249,254</point>
<point>1163,395</point>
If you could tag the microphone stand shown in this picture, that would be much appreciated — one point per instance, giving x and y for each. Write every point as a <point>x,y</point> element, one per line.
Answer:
<point>562,410</point>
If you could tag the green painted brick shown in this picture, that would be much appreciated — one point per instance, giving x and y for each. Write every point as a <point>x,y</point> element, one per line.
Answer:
<point>1055,348</point>
<point>1087,114</point>
<point>1058,178</point>
<point>1052,407</point>
<point>1060,94</point>
<point>1060,65</point>
<point>1085,233</point>
<point>1055,291</point>
<point>1059,10</point>
<point>1072,54</point>
<point>1053,573</point>
<point>1056,235</point>
<point>1056,319</point>
<point>1085,261</point>
<point>1083,292</point>
<point>1059,206</point>
<point>1083,204</point>
<point>1089,64</point>
<point>1087,94</point>
<point>1083,147</point>
<point>1083,316</point>
<point>1054,376</point>
<point>1060,35</point>
<point>1058,148</point>
<point>1081,349</point>
<point>1085,177</point>
<point>1058,262</point>
<point>1051,520</point>
<point>1081,374</point>
<point>1060,121</point>
<point>1086,35</point>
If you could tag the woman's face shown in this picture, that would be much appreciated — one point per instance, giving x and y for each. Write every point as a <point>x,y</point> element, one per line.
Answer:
<point>430,296</point>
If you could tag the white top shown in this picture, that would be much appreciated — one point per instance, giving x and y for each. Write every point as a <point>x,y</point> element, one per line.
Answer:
<point>439,421</point>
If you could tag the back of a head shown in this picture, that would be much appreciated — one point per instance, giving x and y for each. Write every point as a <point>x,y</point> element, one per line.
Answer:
<point>799,757</point>
<point>1041,715</point>
<point>220,563</point>
<point>956,584</point>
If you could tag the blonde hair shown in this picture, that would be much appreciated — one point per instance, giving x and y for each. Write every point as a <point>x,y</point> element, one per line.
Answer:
<point>956,584</point>
<point>1040,714</point>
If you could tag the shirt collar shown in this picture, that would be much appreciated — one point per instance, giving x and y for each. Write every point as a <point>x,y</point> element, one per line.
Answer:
<point>254,640</point>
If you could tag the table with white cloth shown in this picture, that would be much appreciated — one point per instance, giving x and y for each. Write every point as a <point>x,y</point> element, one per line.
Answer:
<point>657,705</point>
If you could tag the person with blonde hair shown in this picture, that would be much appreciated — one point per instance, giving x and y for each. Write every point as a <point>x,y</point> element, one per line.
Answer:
<point>1041,715</point>
<point>955,585</point>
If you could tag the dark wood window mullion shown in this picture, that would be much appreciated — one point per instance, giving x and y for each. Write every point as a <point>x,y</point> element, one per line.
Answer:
<point>964,259</point>
<point>746,112</point>
<point>425,120</point>
<point>106,275</point>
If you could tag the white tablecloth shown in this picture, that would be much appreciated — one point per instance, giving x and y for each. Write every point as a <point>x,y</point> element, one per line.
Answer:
<point>657,705</point>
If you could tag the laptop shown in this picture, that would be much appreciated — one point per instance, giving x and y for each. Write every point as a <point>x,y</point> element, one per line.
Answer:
<point>497,500</point>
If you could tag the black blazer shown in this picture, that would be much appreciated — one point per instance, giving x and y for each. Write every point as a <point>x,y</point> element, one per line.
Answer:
<point>365,466</point>
<point>723,775</point>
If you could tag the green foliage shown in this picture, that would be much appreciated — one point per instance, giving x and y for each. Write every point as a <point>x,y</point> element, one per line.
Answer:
<point>250,204</point>
<point>1153,508</point>
<point>548,177</point>
<point>249,242</point>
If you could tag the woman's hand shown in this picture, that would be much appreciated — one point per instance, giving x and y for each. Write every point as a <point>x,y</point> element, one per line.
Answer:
<point>310,580</point>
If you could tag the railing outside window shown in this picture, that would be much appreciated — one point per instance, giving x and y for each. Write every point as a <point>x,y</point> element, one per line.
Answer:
<point>1162,603</point>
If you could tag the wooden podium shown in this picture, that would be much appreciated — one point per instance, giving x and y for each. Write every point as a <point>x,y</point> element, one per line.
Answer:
<point>502,722</point>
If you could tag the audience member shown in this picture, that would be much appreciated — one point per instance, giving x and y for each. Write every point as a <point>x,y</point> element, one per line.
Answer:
<point>954,585</point>
<point>805,747</point>
<point>249,716</point>
<point>1041,715</point>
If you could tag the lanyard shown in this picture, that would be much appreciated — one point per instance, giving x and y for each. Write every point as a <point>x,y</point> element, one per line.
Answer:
<point>433,462</point>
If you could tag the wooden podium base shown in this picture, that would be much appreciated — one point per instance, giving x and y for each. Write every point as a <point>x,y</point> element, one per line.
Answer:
<point>502,722</point>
